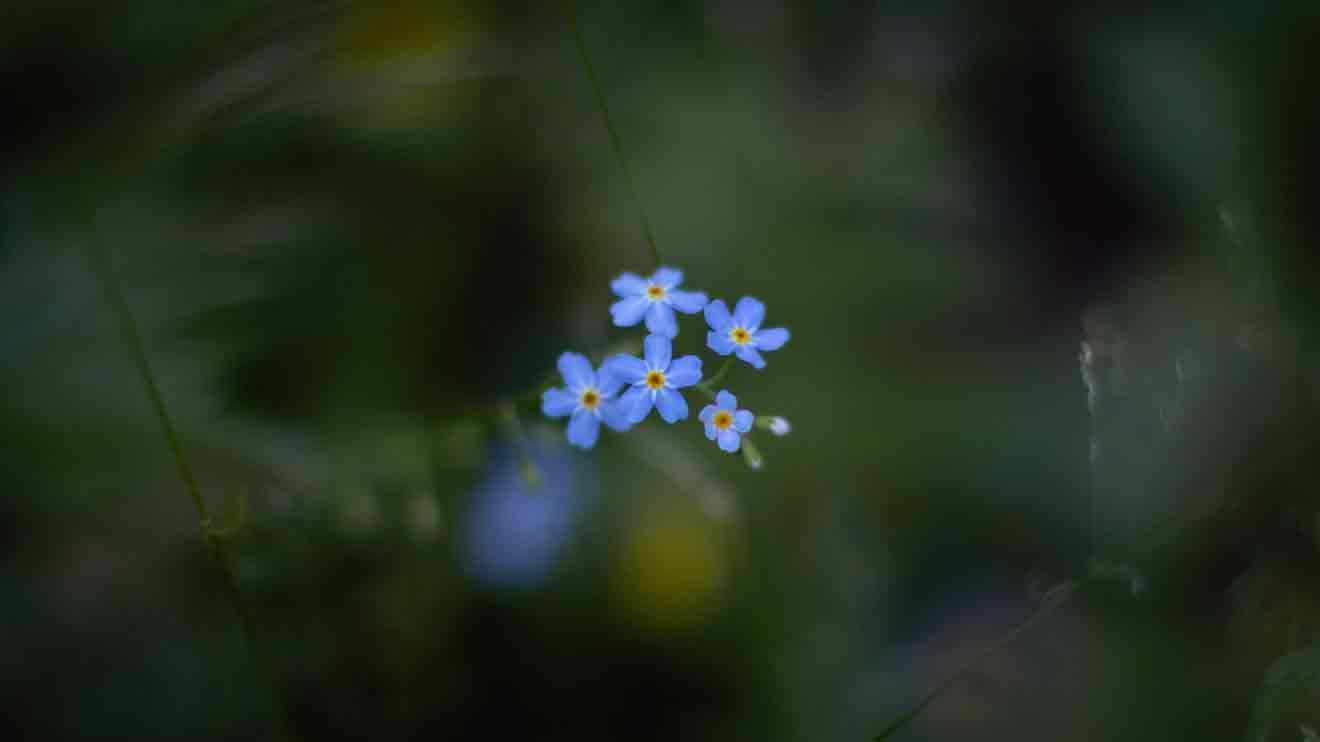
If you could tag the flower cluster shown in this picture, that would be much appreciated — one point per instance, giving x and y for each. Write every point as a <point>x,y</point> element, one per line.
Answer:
<point>622,392</point>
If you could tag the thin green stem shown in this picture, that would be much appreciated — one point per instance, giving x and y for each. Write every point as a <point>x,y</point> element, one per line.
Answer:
<point>513,424</point>
<point>210,534</point>
<point>1094,507</point>
<point>708,387</point>
<point>609,127</point>
<point>1052,599</point>
<point>720,373</point>
<point>1093,502</point>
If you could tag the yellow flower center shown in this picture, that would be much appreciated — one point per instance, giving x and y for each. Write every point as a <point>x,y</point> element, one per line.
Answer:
<point>740,335</point>
<point>655,380</point>
<point>722,420</point>
<point>654,292</point>
<point>590,399</point>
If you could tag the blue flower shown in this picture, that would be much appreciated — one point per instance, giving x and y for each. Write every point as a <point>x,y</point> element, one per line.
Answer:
<point>655,299</point>
<point>655,381</point>
<point>725,422</point>
<point>586,398</point>
<point>510,537</point>
<point>741,334</point>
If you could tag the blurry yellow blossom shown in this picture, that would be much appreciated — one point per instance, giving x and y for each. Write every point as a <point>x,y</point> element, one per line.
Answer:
<point>670,571</point>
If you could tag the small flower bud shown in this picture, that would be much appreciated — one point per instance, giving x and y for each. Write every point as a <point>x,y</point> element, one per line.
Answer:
<point>775,424</point>
<point>750,454</point>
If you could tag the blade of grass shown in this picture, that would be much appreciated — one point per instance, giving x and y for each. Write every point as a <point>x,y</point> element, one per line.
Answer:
<point>1051,600</point>
<point>590,71</point>
<point>101,268</point>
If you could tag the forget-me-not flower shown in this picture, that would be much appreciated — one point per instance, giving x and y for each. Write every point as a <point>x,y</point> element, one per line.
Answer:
<point>654,298</point>
<point>725,423</point>
<point>741,333</point>
<point>511,537</point>
<point>655,380</point>
<point>587,398</point>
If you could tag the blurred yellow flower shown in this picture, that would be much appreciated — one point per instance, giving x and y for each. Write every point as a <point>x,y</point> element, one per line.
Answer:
<point>670,571</point>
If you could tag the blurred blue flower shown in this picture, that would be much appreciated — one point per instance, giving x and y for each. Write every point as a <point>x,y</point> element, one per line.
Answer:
<point>586,399</point>
<point>725,423</point>
<point>654,298</point>
<point>654,381</point>
<point>741,333</point>
<point>511,535</point>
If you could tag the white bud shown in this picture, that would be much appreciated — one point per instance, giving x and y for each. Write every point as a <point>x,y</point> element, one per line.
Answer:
<point>751,455</point>
<point>775,424</point>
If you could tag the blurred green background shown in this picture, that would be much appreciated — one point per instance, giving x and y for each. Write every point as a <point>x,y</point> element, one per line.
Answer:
<point>348,231</point>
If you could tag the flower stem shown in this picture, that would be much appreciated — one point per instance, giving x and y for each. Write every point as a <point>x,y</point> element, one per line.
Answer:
<point>708,386</point>
<point>526,466</point>
<point>609,127</point>
<point>211,535</point>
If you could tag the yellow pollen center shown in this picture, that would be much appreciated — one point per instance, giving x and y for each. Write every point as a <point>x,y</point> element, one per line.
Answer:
<point>655,380</point>
<point>590,399</point>
<point>655,292</point>
<point>722,420</point>
<point>740,335</point>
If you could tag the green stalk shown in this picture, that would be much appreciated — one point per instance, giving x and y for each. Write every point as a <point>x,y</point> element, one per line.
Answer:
<point>530,473</point>
<point>720,373</point>
<point>609,127</point>
<point>708,387</point>
<point>210,534</point>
